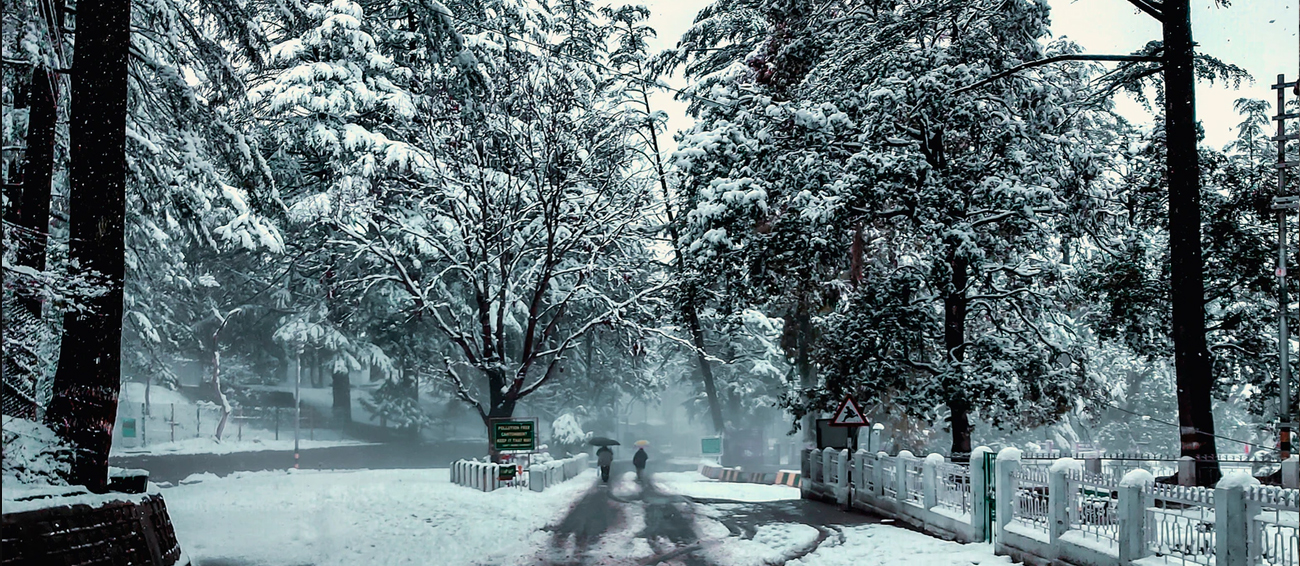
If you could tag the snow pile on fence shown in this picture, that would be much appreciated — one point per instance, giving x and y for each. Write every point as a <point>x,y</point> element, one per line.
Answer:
<point>549,474</point>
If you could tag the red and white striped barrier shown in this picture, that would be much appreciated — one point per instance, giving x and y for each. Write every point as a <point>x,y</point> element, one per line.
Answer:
<point>784,477</point>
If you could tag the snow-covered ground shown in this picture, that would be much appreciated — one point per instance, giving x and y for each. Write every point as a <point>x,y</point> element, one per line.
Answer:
<point>883,545</point>
<point>418,517</point>
<point>208,445</point>
<point>692,484</point>
<point>388,517</point>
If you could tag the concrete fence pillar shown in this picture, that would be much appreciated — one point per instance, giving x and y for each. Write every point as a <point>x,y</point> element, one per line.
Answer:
<point>1058,504</point>
<point>930,481</point>
<point>860,470</point>
<point>1230,526</point>
<point>979,489</point>
<point>1132,513</point>
<point>881,478</point>
<point>873,441</point>
<point>1254,544</point>
<point>1187,471</point>
<point>1291,473</point>
<point>828,460</point>
<point>1092,463</point>
<point>900,475</point>
<point>1005,490</point>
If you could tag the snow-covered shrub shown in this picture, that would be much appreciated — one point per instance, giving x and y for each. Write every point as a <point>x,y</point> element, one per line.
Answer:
<point>33,454</point>
<point>567,436</point>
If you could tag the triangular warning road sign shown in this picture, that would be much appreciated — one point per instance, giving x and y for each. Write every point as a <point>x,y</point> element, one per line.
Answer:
<point>849,414</point>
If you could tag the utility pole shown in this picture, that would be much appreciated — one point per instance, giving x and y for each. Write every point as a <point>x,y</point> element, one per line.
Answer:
<point>1281,204</point>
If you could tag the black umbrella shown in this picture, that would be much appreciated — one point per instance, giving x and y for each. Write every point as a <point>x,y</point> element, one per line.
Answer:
<point>602,441</point>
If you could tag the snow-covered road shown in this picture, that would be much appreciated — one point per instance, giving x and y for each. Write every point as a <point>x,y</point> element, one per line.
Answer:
<point>418,517</point>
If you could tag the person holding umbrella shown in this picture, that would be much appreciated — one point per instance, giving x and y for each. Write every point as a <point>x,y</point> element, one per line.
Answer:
<point>640,458</point>
<point>604,456</point>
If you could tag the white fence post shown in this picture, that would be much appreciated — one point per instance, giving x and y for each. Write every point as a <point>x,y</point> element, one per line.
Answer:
<point>874,440</point>
<point>879,490</point>
<point>1132,512</point>
<point>1058,503</point>
<point>979,504</point>
<point>1291,472</point>
<point>930,480</point>
<point>900,476</point>
<point>860,470</point>
<point>828,455</point>
<point>1005,489</point>
<point>1255,538</point>
<point>1230,526</point>
<point>1187,471</point>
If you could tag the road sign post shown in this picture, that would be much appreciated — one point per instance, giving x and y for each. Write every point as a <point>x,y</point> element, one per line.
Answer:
<point>851,416</point>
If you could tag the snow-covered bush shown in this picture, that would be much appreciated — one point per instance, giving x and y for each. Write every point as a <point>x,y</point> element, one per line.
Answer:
<point>567,436</point>
<point>33,454</point>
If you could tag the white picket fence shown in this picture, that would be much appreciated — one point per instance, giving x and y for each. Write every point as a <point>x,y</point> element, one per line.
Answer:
<point>483,476</point>
<point>1063,514</point>
<point>542,476</point>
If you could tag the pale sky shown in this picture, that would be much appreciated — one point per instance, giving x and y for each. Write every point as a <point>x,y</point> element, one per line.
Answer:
<point>1257,35</point>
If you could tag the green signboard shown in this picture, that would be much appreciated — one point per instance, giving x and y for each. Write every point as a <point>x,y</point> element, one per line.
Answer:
<point>711,445</point>
<point>128,428</point>
<point>514,435</point>
<point>506,473</point>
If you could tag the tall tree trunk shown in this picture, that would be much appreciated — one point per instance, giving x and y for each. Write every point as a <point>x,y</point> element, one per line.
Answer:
<point>1192,364</point>
<point>342,397</point>
<point>221,395</point>
<point>701,358</point>
<point>501,406</point>
<point>688,305</point>
<point>807,372</point>
<point>88,378</point>
<point>38,173</point>
<point>954,338</point>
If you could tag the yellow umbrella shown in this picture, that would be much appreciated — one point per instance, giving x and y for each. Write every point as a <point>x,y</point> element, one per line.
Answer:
<point>643,443</point>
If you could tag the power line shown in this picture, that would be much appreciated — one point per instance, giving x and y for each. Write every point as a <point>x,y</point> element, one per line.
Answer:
<point>1153,419</point>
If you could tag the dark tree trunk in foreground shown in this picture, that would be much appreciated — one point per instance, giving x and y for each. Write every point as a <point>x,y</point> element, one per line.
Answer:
<point>88,378</point>
<point>38,173</point>
<point>804,366</point>
<point>1195,379</point>
<point>954,336</point>
<point>342,398</point>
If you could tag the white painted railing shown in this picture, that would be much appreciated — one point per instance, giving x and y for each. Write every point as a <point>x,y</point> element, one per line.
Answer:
<point>542,476</point>
<point>1063,514</point>
<point>476,475</point>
